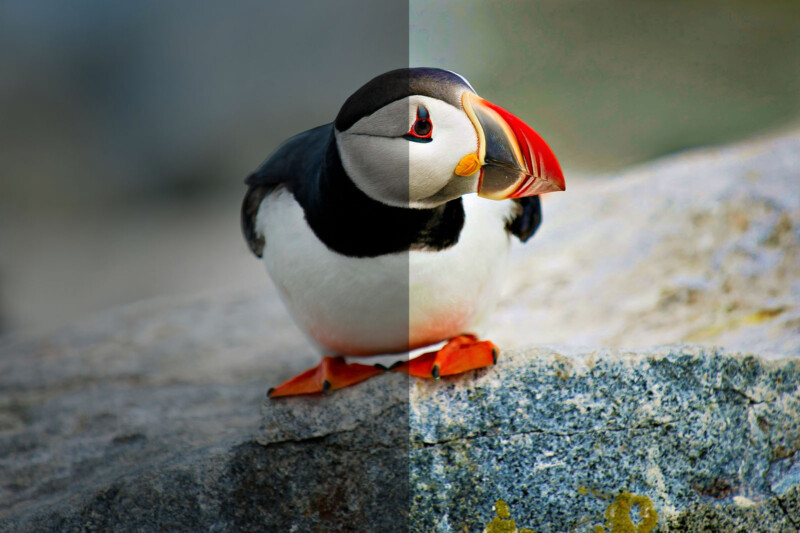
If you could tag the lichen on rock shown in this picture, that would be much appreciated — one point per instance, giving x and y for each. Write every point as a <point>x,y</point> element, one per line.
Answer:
<point>618,514</point>
<point>503,523</point>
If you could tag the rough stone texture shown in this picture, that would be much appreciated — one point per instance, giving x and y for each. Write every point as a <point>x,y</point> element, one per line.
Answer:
<point>693,429</point>
<point>147,418</point>
<point>703,247</point>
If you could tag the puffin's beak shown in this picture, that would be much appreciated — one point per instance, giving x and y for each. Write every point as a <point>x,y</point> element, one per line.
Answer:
<point>513,159</point>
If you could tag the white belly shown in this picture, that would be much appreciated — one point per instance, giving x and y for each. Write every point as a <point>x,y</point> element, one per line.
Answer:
<point>392,303</point>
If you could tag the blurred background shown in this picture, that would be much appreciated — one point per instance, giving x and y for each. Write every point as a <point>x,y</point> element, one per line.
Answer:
<point>126,129</point>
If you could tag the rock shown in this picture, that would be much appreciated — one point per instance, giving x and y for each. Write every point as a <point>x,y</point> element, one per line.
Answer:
<point>556,434</point>
<point>147,417</point>
<point>702,247</point>
<point>709,438</point>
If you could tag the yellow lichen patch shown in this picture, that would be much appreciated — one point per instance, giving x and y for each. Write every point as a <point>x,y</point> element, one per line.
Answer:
<point>618,514</point>
<point>503,523</point>
<point>501,508</point>
<point>582,490</point>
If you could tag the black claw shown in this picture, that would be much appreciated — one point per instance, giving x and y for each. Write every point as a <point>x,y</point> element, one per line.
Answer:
<point>395,365</point>
<point>326,386</point>
<point>435,372</point>
<point>270,391</point>
<point>380,367</point>
<point>494,355</point>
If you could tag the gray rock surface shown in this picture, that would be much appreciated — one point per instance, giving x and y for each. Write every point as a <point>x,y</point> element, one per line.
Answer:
<point>152,416</point>
<point>556,433</point>
<point>702,247</point>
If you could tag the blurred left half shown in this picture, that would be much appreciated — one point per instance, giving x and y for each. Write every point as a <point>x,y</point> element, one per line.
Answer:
<point>126,130</point>
<point>138,333</point>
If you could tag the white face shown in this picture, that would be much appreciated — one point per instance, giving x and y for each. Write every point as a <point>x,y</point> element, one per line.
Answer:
<point>396,171</point>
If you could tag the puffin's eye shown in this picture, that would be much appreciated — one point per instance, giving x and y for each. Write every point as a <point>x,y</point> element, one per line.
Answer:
<point>422,129</point>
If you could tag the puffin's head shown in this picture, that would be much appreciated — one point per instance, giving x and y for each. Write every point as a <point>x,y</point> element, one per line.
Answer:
<point>421,137</point>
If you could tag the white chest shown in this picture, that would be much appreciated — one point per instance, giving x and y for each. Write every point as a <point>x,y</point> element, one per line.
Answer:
<point>387,304</point>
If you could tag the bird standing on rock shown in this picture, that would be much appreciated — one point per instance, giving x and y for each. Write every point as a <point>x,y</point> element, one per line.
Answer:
<point>370,229</point>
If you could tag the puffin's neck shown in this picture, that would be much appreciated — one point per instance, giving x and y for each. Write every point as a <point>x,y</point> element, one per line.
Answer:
<point>351,223</point>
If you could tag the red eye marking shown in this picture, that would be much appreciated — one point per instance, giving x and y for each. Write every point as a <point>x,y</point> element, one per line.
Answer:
<point>422,129</point>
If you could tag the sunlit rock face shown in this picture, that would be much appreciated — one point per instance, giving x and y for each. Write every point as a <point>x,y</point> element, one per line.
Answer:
<point>700,247</point>
<point>152,416</point>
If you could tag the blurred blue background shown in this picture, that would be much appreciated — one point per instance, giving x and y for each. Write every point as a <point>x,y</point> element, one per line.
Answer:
<point>126,129</point>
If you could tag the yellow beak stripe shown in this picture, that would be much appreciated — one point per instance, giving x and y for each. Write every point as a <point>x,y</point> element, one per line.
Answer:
<point>468,165</point>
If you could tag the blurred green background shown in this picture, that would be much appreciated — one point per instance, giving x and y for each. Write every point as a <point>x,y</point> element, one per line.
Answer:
<point>611,83</point>
<point>126,128</point>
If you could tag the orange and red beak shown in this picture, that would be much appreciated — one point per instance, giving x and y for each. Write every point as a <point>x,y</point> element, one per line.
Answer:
<point>514,160</point>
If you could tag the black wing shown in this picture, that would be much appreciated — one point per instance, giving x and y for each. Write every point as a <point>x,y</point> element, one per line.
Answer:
<point>290,165</point>
<point>250,205</point>
<point>528,218</point>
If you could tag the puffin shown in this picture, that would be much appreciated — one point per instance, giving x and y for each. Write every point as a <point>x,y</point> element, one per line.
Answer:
<point>388,230</point>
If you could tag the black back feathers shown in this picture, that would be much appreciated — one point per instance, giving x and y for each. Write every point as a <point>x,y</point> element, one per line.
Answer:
<point>344,218</point>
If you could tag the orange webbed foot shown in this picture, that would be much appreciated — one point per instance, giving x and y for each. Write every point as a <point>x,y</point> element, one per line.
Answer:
<point>331,374</point>
<point>461,354</point>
